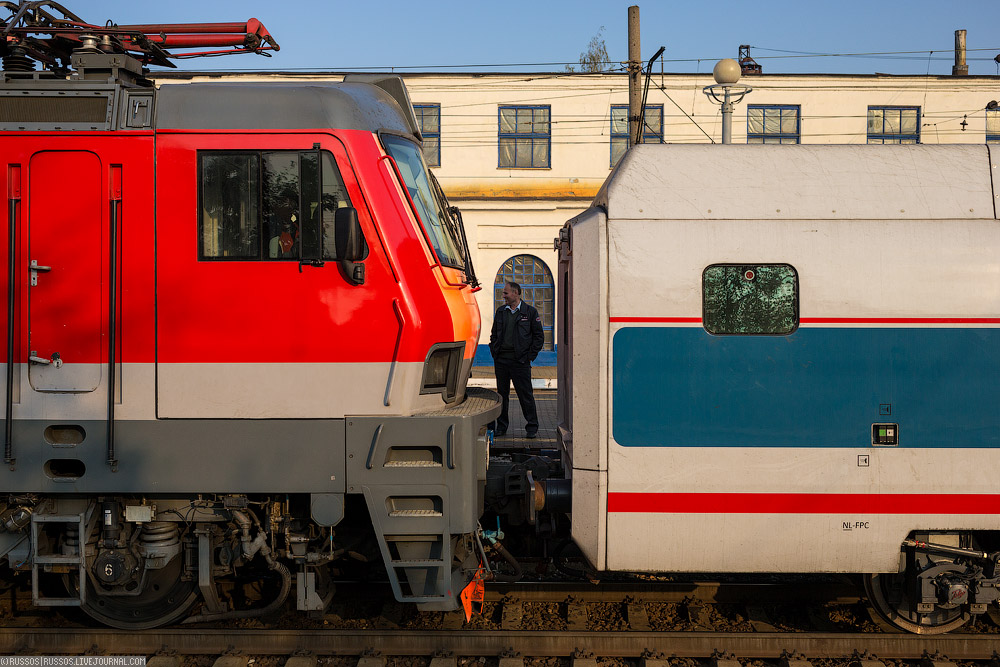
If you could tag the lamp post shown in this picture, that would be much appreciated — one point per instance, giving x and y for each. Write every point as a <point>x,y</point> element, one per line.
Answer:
<point>726,74</point>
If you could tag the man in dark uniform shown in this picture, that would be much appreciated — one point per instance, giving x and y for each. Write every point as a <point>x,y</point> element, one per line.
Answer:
<point>515,341</point>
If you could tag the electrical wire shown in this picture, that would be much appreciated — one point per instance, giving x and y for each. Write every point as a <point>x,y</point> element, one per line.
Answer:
<point>875,55</point>
<point>787,54</point>
<point>477,130</point>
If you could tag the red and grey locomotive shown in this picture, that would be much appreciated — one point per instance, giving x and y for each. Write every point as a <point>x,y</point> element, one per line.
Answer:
<point>240,320</point>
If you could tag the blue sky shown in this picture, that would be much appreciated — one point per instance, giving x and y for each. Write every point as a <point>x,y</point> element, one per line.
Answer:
<point>539,35</point>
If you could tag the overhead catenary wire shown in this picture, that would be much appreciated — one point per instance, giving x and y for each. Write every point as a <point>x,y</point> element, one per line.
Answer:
<point>469,133</point>
<point>614,66</point>
<point>689,117</point>
<point>487,127</point>
<point>917,54</point>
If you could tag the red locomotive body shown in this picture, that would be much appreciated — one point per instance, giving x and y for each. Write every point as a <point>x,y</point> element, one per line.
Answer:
<point>239,316</point>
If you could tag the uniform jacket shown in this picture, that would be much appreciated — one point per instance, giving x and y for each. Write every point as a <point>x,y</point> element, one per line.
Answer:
<point>528,335</point>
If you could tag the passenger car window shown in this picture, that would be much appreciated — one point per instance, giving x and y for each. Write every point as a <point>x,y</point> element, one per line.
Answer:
<point>268,205</point>
<point>749,299</point>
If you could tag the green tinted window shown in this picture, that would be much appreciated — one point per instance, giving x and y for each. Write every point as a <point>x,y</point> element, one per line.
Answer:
<point>750,299</point>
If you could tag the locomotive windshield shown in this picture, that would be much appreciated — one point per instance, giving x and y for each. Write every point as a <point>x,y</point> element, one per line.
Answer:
<point>442,230</point>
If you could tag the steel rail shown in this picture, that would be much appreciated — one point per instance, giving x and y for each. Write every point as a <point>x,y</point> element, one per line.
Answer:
<point>727,593</point>
<point>643,591</point>
<point>51,641</point>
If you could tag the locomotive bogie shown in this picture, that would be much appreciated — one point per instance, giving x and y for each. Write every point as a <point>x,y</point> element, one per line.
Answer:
<point>137,562</point>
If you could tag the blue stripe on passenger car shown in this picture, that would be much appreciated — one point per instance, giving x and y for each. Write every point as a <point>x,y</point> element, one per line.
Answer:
<point>818,387</point>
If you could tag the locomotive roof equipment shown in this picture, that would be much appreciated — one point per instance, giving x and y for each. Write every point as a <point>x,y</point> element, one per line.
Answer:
<point>48,33</point>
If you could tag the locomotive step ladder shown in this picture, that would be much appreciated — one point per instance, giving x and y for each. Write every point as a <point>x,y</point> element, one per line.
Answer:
<point>78,561</point>
<point>419,478</point>
<point>419,554</point>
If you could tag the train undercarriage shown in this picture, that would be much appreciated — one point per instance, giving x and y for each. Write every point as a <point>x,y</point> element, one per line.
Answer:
<point>137,563</point>
<point>944,579</point>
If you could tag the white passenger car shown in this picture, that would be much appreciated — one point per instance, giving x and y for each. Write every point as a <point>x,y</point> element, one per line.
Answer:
<point>786,359</point>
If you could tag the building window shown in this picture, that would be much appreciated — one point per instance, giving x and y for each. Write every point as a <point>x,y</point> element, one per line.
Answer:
<point>652,131</point>
<point>268,205</point>
<point>773,124</point>
<point>894,125</point>
<point>750,299</point>
<point>537,289</point>
<point>429,122</point>
<point>525,137</point>
<point>993,126</point>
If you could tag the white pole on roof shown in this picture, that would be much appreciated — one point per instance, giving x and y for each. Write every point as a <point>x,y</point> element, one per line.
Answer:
<point>726,74</point>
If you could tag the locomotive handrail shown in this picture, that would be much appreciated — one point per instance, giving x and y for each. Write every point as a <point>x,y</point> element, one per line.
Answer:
<point>115,205</point>
<point>371,450</point>
<point>395,352</point>
<point>14,198</point>
<point>450,439</point>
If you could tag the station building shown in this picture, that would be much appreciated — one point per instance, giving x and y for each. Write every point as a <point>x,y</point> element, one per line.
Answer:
<point>521,153</point>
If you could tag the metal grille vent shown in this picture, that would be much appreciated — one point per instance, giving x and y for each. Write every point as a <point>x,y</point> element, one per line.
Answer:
<point>54,109</point>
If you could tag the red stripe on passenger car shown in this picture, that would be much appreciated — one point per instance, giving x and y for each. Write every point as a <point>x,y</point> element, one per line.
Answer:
<point>656,319</point>
<point>900,320</point>
<point>834,320</point>
<point>803,503</point>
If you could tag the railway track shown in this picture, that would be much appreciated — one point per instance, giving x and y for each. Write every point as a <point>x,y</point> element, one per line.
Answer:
<point>838,592</point>
<point>524,621</point>
<point>672,591</point>
<point>519,645</point>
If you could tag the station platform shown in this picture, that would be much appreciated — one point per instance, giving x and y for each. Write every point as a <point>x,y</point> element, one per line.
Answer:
<point>543,381</point>
<point>542,377</point>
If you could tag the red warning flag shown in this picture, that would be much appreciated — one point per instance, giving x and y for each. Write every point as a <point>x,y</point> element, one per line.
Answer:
<point>472,596</point>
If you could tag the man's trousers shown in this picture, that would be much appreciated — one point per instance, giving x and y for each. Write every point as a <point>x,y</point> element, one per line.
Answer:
<point>520,375</point>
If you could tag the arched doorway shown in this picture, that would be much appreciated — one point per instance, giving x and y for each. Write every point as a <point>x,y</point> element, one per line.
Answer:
<point>537,288</point>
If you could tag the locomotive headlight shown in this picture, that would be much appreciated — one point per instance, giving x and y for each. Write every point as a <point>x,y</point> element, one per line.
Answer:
<point>436,369</point>
<point>441,369</point>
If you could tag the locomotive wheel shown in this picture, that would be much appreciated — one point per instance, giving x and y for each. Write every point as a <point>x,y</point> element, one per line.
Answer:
<point>993,613</point>
<point>888,600</point>
<point>165,600</point>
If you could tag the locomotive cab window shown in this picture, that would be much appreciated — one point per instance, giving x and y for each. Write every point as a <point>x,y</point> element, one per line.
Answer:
<point>750,299</point>
<point>442,232</point>
<point>268,205</point>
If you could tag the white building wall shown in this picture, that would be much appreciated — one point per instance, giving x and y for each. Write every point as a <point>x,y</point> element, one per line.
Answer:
<point>520,211</point>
